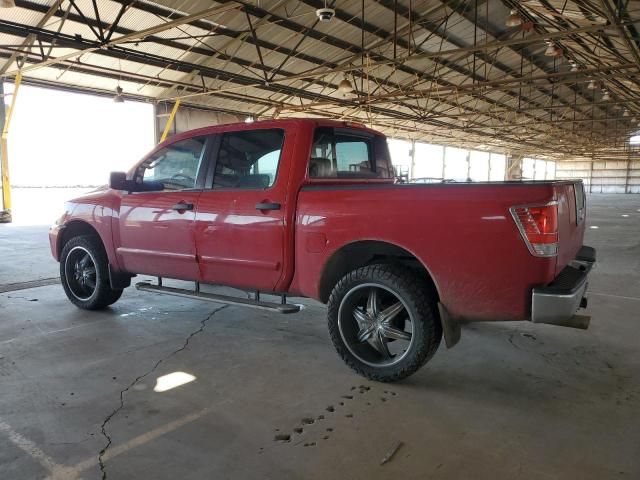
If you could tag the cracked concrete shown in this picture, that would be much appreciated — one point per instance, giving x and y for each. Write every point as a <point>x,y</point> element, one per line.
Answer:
<point>512,400</point>
<point>103,427</point>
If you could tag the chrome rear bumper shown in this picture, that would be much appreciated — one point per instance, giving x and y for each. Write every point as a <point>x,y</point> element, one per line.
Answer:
<point>558,302</point>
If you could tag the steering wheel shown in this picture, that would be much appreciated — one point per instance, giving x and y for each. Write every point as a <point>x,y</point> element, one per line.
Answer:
<point>182,176</point>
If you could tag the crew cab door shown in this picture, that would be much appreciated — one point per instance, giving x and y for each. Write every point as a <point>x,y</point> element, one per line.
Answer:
<point>157,227</point>
<point>240,222</point>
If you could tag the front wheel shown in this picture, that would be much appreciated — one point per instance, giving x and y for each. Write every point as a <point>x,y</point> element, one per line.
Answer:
<point>84,272</point>
<point>383,322</point>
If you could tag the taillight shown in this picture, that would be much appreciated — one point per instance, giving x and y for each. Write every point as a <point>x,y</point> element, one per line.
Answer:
<point>538,225</point>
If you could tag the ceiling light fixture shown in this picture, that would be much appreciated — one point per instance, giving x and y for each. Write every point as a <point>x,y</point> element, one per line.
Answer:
<point>552,50</point>
<point>592,85</point>
<point>605,96</point>
<point>118,98</point>
<point>626,112</point>
<point>325,14</point>
<point>574,67</point>
<point>514,19</point>
<point>345,86</point>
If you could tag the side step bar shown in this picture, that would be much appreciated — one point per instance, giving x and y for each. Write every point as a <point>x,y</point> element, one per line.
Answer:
<point>213,297</point>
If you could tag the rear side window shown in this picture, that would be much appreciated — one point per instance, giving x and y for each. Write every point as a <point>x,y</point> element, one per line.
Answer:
<point>248,159</point>
<point>344,153</point>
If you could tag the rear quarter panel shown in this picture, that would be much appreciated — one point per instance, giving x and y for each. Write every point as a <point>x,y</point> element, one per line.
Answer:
<point>463,234</point>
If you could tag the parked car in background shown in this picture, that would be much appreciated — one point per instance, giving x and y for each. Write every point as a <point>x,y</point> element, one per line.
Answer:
<point>431,180</point>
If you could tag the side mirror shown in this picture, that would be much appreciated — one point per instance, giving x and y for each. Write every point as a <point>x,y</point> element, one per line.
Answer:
<point>118,181</point>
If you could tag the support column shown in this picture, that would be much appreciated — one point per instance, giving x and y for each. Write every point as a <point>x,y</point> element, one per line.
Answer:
<point>591,174</point>
<point>413,160</point>
<point>468,165</point>
<point>156,122</point>
<point>444,160</point>
<point>5,211</point>
<point>626,178</point>
<point>169,123</point>
<point>514,167</point>
<point>5,120</point>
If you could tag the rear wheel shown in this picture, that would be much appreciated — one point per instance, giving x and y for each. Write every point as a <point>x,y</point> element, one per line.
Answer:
<point>84,272</point>
<point>383,322</point>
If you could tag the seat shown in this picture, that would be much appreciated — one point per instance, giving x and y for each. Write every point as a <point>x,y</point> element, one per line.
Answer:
<point>320,168</point>
<point>257,180</point>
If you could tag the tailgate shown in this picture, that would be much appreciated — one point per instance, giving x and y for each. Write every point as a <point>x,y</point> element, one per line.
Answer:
<point>572,213</point>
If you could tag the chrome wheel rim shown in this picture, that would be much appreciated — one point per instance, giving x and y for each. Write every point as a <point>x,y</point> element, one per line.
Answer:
<point>80,273</point>
<point>376,325</point>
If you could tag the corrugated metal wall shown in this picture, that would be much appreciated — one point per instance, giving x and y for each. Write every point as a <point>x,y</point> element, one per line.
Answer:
<point>604,176</point>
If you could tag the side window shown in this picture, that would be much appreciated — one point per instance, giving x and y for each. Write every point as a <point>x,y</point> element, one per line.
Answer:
<point>248,159</point>
<point>175,167</point>
<point>340,153</point>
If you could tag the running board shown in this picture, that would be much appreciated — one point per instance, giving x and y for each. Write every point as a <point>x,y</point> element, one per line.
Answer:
<point>214,297</point>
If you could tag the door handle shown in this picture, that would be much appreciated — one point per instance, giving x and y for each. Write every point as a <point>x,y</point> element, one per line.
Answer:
<point>182,206</point>
<point>265,206</point>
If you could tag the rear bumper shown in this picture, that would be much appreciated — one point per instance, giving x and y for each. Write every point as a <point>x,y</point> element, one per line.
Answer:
<point>558,302</point>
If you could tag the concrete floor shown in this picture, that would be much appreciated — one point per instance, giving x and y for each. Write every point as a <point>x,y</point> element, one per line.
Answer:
<point>512,400</point>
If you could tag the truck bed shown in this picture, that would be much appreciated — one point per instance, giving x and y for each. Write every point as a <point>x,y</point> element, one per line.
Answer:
<point>463,233</point>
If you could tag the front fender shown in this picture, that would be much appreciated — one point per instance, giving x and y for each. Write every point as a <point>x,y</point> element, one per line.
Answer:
<point>91,214</point>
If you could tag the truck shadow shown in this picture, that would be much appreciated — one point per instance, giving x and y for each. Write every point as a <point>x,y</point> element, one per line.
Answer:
<point>508,363</point>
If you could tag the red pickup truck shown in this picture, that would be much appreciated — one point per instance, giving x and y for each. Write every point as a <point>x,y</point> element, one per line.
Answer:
<point>310,208</point>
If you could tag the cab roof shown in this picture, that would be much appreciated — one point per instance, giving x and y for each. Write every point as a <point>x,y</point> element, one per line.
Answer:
<point>270,123</point>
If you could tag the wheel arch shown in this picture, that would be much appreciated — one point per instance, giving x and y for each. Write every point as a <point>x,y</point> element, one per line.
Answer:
<point>366,252</point>
<point>76,228</point>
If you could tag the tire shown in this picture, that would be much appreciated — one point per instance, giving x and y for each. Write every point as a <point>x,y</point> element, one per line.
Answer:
<point>369,311</point>
<point>84,273</point>
<point>114,297</point>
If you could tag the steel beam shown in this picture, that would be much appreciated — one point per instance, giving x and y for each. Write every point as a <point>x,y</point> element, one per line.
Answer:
<point>138,35</point>
<point>31,38</point>
<point>172,116</point>
<point>462,89</point>
<point>240,81</point>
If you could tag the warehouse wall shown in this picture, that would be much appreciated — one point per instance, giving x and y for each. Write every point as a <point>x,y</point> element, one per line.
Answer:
<point>188,118</point>
<point>436,162</point>
<point>575,170</point>
<point>604,176</point>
